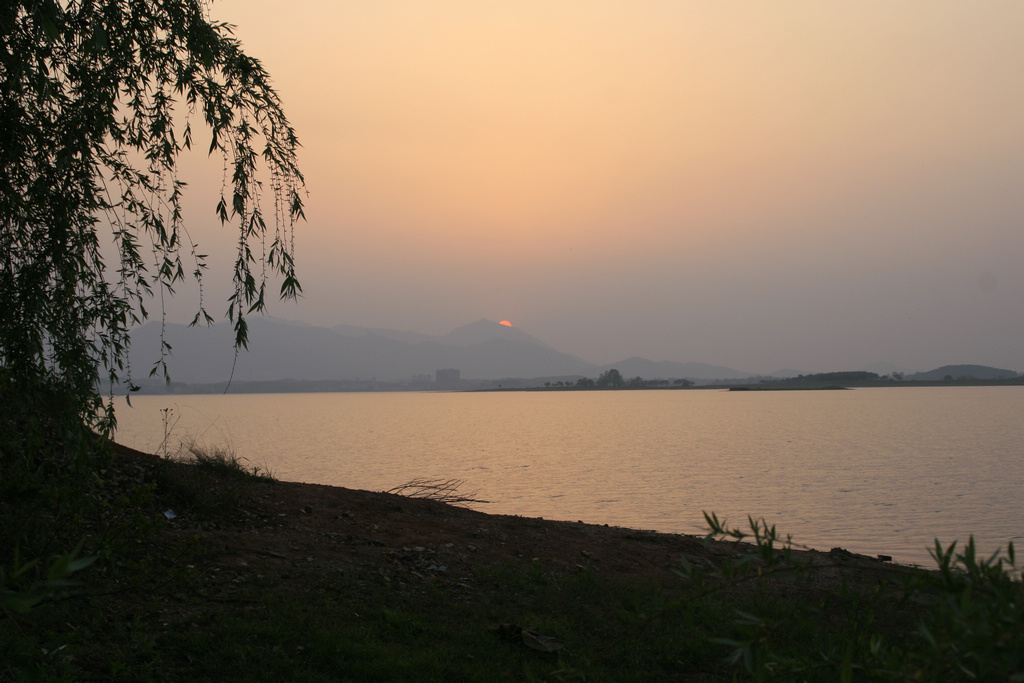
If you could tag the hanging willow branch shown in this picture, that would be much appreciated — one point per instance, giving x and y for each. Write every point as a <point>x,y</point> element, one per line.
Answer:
<point>97,103</point>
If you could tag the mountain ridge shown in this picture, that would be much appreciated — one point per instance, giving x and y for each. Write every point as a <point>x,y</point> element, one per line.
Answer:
<point>963,371</point>
<point>481,350</point>
<point>291,350</point>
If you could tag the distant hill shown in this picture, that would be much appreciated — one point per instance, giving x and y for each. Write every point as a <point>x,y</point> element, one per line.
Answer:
<point>399,335</point>
<point>886,369</point>
<point>485,331</point>
<point>279,350</point>
<point>961,372</point>
<point>881,369</point>
<point>467,335</point>
<point>282,350</point>
<point>785,373</point>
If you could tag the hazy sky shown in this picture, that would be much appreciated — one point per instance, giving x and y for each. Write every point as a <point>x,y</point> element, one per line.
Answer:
<point>809,185</point>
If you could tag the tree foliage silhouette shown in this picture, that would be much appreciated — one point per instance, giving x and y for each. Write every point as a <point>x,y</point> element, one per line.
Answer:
<point>98,99</point>
<point>611,379</point>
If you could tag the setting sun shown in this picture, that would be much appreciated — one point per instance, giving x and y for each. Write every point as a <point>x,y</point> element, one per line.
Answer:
<point>505,323</point>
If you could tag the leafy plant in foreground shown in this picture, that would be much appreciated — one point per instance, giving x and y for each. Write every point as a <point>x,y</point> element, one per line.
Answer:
<point>17,597</point>
<point>977,627</point>
<point>970,623</point>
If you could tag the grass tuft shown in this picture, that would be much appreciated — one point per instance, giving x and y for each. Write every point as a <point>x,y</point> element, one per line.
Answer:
<point>223,461</point>
<point>210,480</point>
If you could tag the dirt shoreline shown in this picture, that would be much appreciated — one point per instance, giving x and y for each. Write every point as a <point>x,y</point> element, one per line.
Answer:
<point>205,572</point>
<point>330,526</point>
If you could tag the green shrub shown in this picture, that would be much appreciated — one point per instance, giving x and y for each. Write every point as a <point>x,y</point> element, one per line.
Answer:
<point>969,615</point>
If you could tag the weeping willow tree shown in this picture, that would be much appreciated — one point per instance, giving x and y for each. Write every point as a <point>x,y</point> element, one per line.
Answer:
<point>98,100</point>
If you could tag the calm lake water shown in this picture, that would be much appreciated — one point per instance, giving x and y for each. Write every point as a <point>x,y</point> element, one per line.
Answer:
<point>872,470</point>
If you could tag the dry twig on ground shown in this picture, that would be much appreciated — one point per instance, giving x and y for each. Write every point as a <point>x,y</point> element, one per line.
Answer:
<point>444,490</point>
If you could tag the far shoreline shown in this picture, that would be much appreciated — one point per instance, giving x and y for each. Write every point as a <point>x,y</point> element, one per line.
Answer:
<point>372,386</point>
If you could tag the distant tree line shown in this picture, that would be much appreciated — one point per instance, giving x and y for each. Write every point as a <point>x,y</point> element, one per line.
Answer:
<point>870,378</point>
<point>851,377</point>
<point>613,379</point>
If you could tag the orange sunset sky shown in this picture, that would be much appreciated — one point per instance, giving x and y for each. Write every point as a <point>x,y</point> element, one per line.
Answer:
<point>809,185</point>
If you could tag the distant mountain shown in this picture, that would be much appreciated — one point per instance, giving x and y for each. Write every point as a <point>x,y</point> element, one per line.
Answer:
<point>285,350</point>
<point>786,373</point>
<point>399,335</point>
<point>276,351</point>
<point>280,350</point>
<point>880,369</point>
<point>474,333</point>
<point>883,369</point>
<point>500,358</point>
<point>962,371</point>
<point>484,331</point>
<point>641,367</point>
<point>482,350</point>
